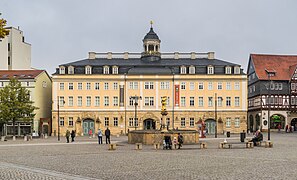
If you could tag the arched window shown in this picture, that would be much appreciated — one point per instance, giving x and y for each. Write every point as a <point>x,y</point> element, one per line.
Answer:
<point>192,70</point>
<point>70,70</point>
<point>151,48</point>
<point>236,70</point>
<point>210,70</point>
<point>88,70</point>
<point>115,70</point>
<point>61,70</point>
<point>106,70</point>
<point>183,70</point>
<point>227,70</point>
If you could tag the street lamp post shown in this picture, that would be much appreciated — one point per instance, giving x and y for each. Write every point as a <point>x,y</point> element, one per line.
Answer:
<point>269,73</point>
<point>58,104</point>
<point>135,100</point>
<point>216,104</point>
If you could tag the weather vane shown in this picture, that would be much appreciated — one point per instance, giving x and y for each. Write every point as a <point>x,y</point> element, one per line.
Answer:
<point>151,22</point>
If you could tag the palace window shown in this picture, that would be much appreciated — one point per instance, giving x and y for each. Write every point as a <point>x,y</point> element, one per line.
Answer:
<point>183,122</point>
<point>79,86</point>
<point>106,86</point>
<point>106,121</point>
<point>210,86</point>
<point>148,85</point>
<point>227,70</point>
<point>200,101</point>
<point>192,101</point>
<point>115,121</point>
<point>228,85</point>
<point>237,86</point>
<point>210,101</point>
<point>62,70</point>
<point>88,100</point>
<point>183,85</point>
<point>106,100</point>
<point>88,86</point>
<point>79,101</point>
<point>88,69</point>
<point>236,70</point>
<point>210,70</point>
<point>106,70</point>
<point>237,122</point>
<point>115,85</point>
<point>182,101</point>
<point>149,101</point>
<point>200,86</point>
<point>164,85</point>
<point>228,122</point>
<point>70,86</point>
<point>192,70</point>
<point>133,85</point>
<point>70,121</point>
<point>220,85</point>
<point>70,70</point>
<point>236,103</point>
<point>183,70</point>
<point>115,70</point>
<point>192,86</point>
<point>220,101</point>
<point>97,100</point>
<point>70,101</point>
<point>115,101</point>
<point>61,101</point>
<point>61,121</point>
<point>97,86</point>
<point>131,122</point>
<point>61,86</point>
<point>192,122</point>
<point>228,101</point>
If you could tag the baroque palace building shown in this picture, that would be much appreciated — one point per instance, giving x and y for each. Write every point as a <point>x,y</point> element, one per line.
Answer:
<point>123,91</point>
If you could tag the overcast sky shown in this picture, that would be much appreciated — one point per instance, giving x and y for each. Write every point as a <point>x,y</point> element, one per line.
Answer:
<point>62,31</point>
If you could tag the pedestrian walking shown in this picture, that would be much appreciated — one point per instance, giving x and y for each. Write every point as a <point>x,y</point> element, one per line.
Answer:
<point>287,128</point>
<point>67,135</point>
<point>180,140</point>
<point>90,133</point>
<point>72,135</point>
<point>279,127</point>
<point>99,136</point>
<point>107,135</point>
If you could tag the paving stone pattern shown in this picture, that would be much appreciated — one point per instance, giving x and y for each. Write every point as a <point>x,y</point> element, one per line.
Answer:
<point>85,159</point>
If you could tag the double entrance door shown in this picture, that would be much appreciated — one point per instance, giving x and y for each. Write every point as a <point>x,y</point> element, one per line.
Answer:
<point>211,126</point>
<point>87,125</point>
<point>149,124</point>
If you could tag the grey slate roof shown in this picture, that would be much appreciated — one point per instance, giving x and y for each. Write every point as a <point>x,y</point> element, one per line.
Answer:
<point>137,66</point>
<point>151,35</point>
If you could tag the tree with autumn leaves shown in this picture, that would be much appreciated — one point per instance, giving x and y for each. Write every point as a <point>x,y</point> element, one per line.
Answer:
<point>3,32</point>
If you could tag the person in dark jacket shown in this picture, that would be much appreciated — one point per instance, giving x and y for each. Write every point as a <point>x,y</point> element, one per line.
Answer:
<point>72,135</point>
<point>257,137</point>
<point>180,140</point>
<point>107,135</point>
<point>67,135</point>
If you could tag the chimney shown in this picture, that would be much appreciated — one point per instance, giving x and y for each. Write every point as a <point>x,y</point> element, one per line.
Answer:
<point>193,55</point>
<point>210,55</point>
<point>176,55</point>
<point>109,55</point>
<point>126,55</point>
<point>92,55</point>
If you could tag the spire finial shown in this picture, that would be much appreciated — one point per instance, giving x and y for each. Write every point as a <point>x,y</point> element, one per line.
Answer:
<point>151,22</point>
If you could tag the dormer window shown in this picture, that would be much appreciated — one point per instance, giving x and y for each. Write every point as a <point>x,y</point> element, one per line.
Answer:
<point>106,70</point>
<point>192,70</point>
<point>210,70</point>
<point>62,70</point>
<point>88,69</point>
<point>228,70</point>
<point>236,70</point>
<point>183,70</point>
<point>70,70</point>
<point>115,70</point>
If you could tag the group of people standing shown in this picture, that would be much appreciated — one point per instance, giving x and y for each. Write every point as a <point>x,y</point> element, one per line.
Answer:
<point>100,135</point>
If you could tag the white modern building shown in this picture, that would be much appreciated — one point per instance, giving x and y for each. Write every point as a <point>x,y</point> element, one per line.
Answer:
<point>15,53</point>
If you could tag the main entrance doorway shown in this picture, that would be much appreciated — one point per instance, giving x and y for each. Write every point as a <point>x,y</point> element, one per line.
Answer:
<point>211,126</point>
<point>293,123</point>
<point>87,125</point>
<point>149,124</point>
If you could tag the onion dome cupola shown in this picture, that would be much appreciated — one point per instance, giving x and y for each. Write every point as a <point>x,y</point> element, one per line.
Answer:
<point>151,45</point>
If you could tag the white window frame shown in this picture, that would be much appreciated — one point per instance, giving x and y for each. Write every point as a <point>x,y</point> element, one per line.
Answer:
<point>192,86</point>
<point>183,70</point>
<point>228,70</point>
<point>115,70</point>
<point>201,86</point>
<point>228,86</point>
<point>115,85</point>
<point>210,85</point>
<point>61,70</point>
<point>183,101</point>
<point>88,87</point>
<point>61,86</point>
<point>210,101</point>
<point>61,121</point>
<point>192,101</point>
<point>97,101</point>
<point>237,86</point>
<point>182,122</point>
<point>79,101</point>
<point>106,86</point>
<point>106,70</point>
<point>79,86</point>
<point>237,101</point>
<point>164,85</point>
<point>70,86</point>
<point>97,86</point>
<point>220,85</point>
<point>237,122</point>
<point>220,101</point>
<point>210,70</point>
<point>228,122</point>
<point>236,70</point>
<point>88,101</point>
<point>192,122</point>
<point>70,70</point>
<point>70,101</point>
<point>115,121</point>
<point>200,101</point>
<point>192,70</point>
<point>106,100</point>
<point>228,101</point>
<point>106,121</point>
<point>183,85</point>
<point>70,121</point>
<point>115,101</point>
<point>88,69</point>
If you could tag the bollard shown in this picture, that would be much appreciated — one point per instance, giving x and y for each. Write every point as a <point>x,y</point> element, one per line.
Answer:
<point>156,146</point>
<point>268,144</point>
<point>2,138</point>
<point>45,136</point>
<point>13,138</point>
<point>25,138</point>
<point>138,146</point>
<point>203,145</point>
<point>112,147</point>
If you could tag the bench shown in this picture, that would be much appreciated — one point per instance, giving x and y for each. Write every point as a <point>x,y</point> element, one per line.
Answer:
<point>268,144</point>
<point>112,146</point>
<point>138,146</point>
<point>229,144</point>
<point>202,145</point>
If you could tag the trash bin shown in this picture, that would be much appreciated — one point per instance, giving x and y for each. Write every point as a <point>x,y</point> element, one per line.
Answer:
<point>242,136</point>
<point>228,133</point>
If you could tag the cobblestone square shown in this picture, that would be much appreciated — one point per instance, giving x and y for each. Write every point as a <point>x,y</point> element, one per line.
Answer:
<point>85,159</point>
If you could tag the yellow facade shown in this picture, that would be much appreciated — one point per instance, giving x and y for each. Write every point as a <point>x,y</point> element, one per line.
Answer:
<point>120,117</point>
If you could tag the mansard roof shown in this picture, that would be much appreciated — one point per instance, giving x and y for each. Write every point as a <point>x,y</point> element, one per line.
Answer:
<point>278,63</point>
